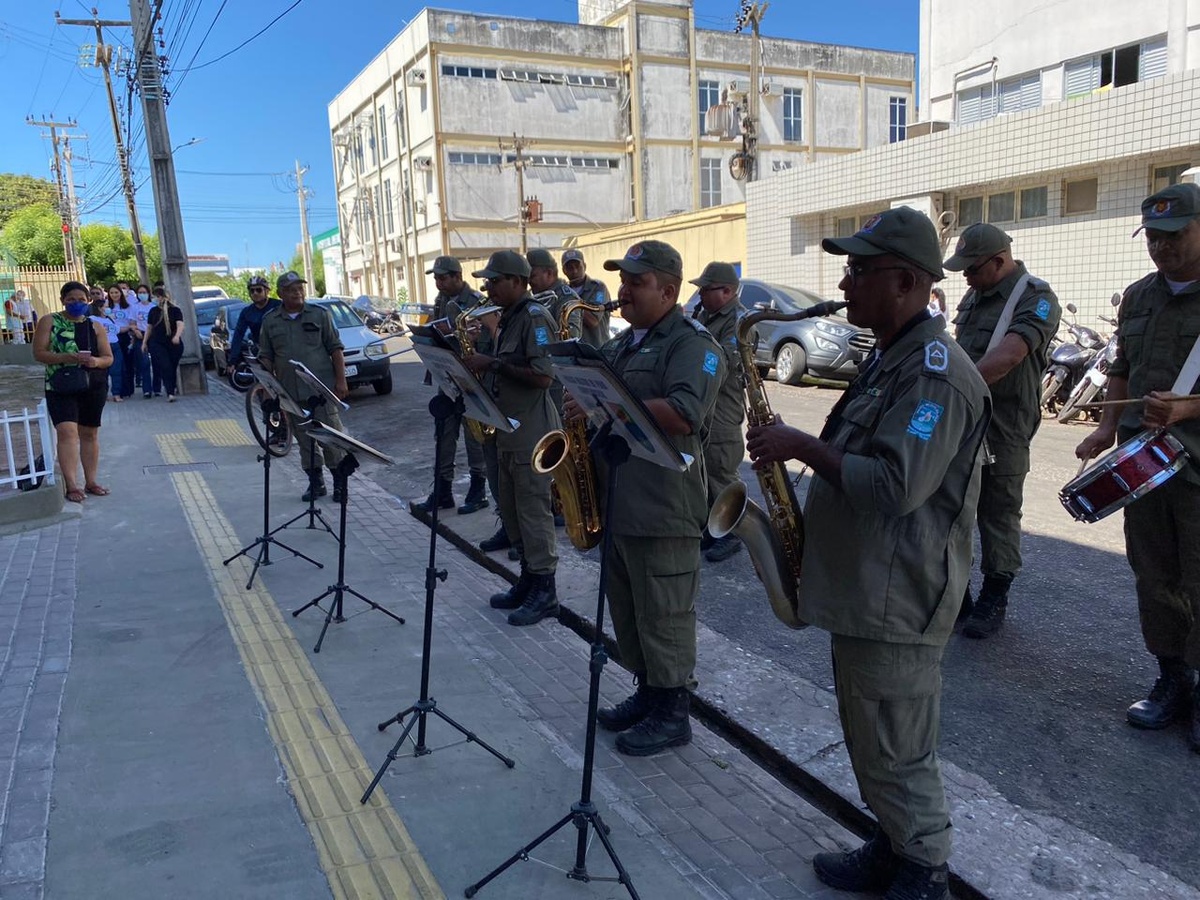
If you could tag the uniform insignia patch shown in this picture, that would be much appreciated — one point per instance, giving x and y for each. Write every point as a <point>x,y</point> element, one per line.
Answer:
<point>710,363</point>
<point>869,225</point>
<point>925,419</point>
<point>1043,309</point>
<point>937,356</point>
<point>541,334</point>
<point>1161,208</point>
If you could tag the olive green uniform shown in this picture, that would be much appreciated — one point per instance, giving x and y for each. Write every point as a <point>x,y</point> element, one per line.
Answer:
<point>1016,400</point>
<point>447,307</point>
<point>526,330</point>
<point>725,445</point>
<point>653,573</point>
<point>1162,529</point>
<point>594,293</point>
<point>886,559</point>
<point>310,338</point>
<point>556,298</point>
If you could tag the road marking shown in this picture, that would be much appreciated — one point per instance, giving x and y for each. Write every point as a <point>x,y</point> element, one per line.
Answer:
<point>364,850</point>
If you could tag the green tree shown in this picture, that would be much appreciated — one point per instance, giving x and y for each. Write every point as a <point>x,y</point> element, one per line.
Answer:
<point>126,269</point>
<point>20,191</point>
<point>33,236</point>
<point>317,289</point>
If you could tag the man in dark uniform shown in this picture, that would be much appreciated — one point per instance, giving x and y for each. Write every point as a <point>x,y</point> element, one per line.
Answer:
<point>1158,358</point>
<point>1005,323</point>
<point>519,377</point>
<point>590,291</point>
<point>454,298</point>
<point>250,318</point>
<point>888,546</point>
<point>723,445</point>
<point>306,333</point>
<point>675,368</point>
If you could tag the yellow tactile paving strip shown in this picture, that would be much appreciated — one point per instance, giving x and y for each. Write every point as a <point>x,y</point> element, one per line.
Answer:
<point>223,433</point>
<point>365,851</point>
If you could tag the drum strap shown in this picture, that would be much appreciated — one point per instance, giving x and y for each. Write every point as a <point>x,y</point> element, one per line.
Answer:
<point>1189,373</point>
<point>1006,314</point>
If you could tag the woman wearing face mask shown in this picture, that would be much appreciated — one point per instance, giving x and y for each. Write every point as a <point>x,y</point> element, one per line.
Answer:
<point>164,341</point>
<point>139,361</point>
<point>75,351</point>
<point>105,317</point>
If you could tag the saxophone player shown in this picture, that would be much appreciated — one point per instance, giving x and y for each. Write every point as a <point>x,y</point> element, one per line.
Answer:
<point>888,550</point>
<point>675,368</point>
<point>519,378</point>
<point>723,445</point>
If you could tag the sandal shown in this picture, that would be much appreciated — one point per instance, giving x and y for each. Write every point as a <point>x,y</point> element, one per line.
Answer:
<point>97,490</point>
<point>75,495</point>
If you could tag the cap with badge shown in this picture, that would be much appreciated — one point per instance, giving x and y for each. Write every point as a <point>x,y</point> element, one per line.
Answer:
<point>1171,209</point>
<point>541,258</point>
<point>717,273</point>
<point>287,279</point>
<point>573,255</point>
<point>504,262</point>
<point>902,232</point>
<point>445,265</point>
<point>978,243</point>
<point>648,256</point>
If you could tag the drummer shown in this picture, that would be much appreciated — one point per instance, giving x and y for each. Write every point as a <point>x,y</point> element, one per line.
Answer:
<point>1158,358</point>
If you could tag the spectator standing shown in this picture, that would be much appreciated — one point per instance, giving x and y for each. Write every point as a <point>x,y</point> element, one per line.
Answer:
<point>139,358</point>
<point>164,342</point>
<point>102,316</point>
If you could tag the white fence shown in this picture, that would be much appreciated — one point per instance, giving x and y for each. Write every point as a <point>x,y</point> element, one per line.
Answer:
<point>28,446</point>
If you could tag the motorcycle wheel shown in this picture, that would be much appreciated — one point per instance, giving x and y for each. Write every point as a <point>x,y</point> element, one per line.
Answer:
<point>1051,382</point>
<point>272,431</point>
<point>1083,394</point>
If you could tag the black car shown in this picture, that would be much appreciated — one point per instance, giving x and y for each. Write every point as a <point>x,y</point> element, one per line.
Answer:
<point>206,316</point>
<point>826,347</point>
<point>221,333</point>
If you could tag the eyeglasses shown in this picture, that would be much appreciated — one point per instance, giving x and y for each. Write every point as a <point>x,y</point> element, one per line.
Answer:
<point>856,270</point>
<point>972,270</point>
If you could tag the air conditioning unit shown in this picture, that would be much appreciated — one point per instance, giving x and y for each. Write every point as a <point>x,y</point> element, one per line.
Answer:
<point>738,86</point>
<point>423,163</point>
<point>418,77</point>
<point>771,89</point>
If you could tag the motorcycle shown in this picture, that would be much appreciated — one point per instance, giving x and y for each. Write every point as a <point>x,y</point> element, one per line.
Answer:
<point>1068,363</point>
<point>1090,387</point>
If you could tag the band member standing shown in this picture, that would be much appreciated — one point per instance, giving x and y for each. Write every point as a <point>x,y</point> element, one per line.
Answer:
<point>590,291</point>
<point>675,368</point>
<point>724,445</point>
<point>888,547</point>
<point>1005,323</point>
<point>519,377</point>
<point>1158,322</point>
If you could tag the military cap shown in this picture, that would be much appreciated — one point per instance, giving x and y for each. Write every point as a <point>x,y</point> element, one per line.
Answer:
<point>1171,208</point>
<point>504,262</point>
<point>648,256</point>
<point>573,255</point>
<point>445,265</point>
<point>717,273</point>
<point>902,232</point>
<point>287,279</point>
<point>541,258</point>
<point>978,243</point>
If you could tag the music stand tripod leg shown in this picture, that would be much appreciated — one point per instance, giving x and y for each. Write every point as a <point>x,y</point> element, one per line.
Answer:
<point>583,814</point>
<point>441,408</point>
<point>313,511</point>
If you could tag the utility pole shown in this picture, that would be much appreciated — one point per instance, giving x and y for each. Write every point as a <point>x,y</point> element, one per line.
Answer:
<point>751,14</point>
<point>65,197</point>
<point>518,146</point>
<point>72,203</point>
<point>305,242</point>
<point>166,193</point>
<point>103,59</point>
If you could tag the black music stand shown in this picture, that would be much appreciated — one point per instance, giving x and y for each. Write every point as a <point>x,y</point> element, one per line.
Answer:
<point>331,437</point>
<point>442,407</point>
<point>626,428</point>
<point>279,403</point>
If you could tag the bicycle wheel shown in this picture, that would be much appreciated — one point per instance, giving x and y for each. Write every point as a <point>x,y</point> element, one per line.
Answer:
<point>272,430</point>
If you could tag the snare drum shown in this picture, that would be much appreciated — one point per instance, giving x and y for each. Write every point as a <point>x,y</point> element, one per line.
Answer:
<point>1121,476</point>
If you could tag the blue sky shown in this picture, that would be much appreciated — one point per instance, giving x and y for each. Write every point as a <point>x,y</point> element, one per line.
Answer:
<point>263,107</point>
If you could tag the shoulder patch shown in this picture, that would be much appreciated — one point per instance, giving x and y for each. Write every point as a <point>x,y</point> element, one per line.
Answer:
<point>695,323</point>
<point>710,363</point>
<point>925,419</point>
<point>541,334</point>
<point>1043,309</point>
<point>937,357</point>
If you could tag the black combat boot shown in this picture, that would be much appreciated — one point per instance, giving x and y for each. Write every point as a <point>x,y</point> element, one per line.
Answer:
<point>1194,731</point>
<point>988,613</point>
<point>871,868</point>
<point>338,487</point>
<point>723,547</point>
<point>917,882</point>
<point>316,486</point>
<point>666,725</point>
<point>1169,698</point>
<point>515,595</point>
<point>968,606</point>
<point>498,541</point>
<point>476,498</point>
<point>442,494</point>
<point>629,711</point>
<point>540,602</point>
<point>706,539</point>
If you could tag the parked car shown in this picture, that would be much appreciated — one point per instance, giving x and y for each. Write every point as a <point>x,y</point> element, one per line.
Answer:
<point>208,292</point>
<point>221,332</point>
<point>206,315</point>
<point>363,348</point>
<point>827,347</point>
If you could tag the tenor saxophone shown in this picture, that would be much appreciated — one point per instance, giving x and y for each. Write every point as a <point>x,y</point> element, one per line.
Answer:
<point>563,454</point>
<point>478,430</point>
<point>774,537</point>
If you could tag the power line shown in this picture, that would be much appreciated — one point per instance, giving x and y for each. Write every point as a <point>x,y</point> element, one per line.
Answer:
<point>200,46</point>
<point>252,37</point>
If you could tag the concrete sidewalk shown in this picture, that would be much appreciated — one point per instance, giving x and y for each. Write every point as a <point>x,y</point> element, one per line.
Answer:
<point>166,732</point>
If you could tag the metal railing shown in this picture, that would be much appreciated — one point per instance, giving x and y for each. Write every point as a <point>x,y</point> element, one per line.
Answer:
<point>28,448</point>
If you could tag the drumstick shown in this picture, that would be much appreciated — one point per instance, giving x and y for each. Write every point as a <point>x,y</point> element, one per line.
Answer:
<point>1100,404</point>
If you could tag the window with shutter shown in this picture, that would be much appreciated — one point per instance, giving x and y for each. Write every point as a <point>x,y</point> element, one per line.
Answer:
<point>1153,60</point>
<point>1083,77</point>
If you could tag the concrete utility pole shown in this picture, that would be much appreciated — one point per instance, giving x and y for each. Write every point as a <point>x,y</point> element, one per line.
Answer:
<point>305,242</point>
<point>166,194</point>
<point>72,203</point>
<point>66,199</point>
<point>752,14</point>
<point>103,59</point>
<point>518,145</point>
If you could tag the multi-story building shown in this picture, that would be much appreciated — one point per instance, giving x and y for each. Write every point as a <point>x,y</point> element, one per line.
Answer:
<point>1053,120</point>
<point>632,114</point>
